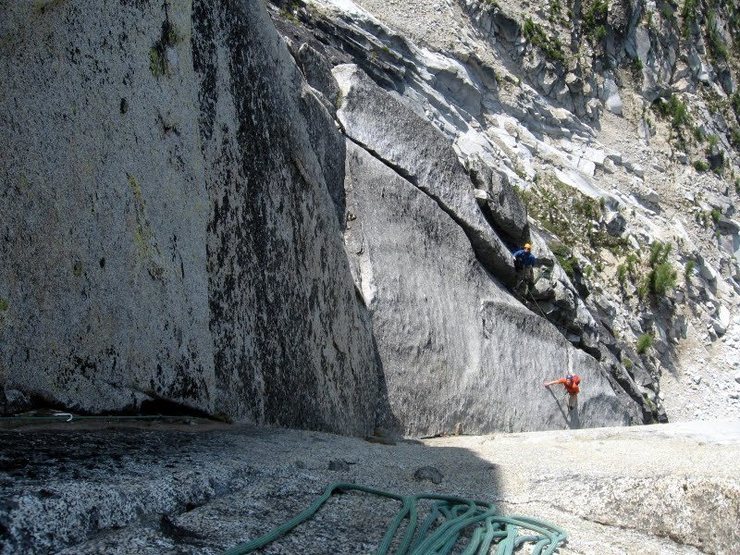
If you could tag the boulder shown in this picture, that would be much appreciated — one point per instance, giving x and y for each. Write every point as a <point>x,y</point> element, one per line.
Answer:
<point>707,271</point>
<point>615,224</point>
<point>611,98</point>
<point>317,72</point>
<point>722,322</point>
<point>501,203</point>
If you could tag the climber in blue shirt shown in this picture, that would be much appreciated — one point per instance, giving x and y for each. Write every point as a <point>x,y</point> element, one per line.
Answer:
<point>524,258</point>
<point>524,262</point>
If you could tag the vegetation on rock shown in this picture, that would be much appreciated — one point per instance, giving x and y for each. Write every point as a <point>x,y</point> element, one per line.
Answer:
<point>644,342</point>
<point>551,46</point>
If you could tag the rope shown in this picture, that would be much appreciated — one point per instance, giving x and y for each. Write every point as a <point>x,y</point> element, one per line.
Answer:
<point>537,305</point>
<point>456,514</point>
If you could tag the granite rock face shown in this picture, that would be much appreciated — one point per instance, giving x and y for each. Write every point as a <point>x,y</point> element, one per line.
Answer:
<point>104,208</point>
<point>173,223</point>
<point>458,352</point>
<point>416,150</point>
<point>171,199</point>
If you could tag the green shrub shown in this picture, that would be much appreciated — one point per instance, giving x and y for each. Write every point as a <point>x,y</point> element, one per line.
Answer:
<point>662,278</point>
<point>716,214</point>
<point>587,207</point>
<point>643,288</point>
<point>3,305</point>
<point>716,42</point>
<point>675,109</point>
<point>627,363</point>
<point>735,138</point>
<point>689,269</point>
<point>735,101</point>
<point>555,9</point>
<point>701,166</point>
<point>644,342</point>
<point>595,15</point>
<point>622,274</point>
<point>565,258</point>
<point>688,13</point>
<point>659,253</point>
<point>551,46</point>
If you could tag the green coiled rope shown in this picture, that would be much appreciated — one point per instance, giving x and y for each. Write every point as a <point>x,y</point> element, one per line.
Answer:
<point>457,514</point>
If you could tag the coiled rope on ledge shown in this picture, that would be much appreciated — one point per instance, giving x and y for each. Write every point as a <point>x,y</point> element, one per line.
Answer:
<point>421,538</point>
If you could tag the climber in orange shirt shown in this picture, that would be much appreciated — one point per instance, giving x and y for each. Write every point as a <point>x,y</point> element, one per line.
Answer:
<point>570,382</point>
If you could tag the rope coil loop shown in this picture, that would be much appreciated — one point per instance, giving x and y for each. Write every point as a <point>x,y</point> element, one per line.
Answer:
<point>457,514</point>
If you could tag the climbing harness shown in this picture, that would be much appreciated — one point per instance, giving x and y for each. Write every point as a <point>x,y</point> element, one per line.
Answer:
<point>456,514</point>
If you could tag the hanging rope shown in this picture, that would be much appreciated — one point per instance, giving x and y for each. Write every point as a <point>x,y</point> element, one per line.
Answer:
<point>442,529</point>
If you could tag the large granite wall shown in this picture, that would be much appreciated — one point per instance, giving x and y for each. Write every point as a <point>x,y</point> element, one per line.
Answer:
<point>167,227</point>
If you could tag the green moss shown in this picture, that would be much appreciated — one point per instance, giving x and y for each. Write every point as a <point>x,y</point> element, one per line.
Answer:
<point>627,363</point>
<point>3,304</point>
<point>556,9</point>
<point>40,7</point>
<point>141,239</point>
<point>171,36</point>
<point>156,62</point>
<point>135,188</point>
<point>644,342</point>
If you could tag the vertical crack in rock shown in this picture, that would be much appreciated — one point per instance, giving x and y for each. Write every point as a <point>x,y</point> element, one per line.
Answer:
<point>415,149</point>
<point>475,245</point>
